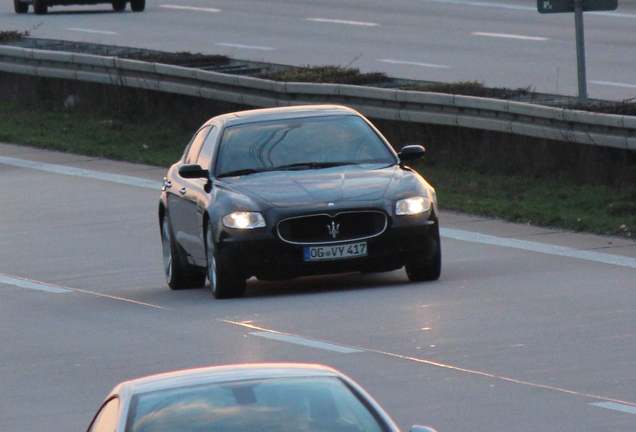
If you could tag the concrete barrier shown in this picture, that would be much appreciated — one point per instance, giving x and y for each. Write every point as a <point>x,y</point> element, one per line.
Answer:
<point>559,124</point>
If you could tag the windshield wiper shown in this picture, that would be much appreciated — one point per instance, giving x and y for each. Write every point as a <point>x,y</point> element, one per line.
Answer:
<point>241,172</point>
<point>311,165</point>
<point>291,167</point>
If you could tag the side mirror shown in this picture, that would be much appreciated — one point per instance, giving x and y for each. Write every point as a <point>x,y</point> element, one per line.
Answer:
<point>193,171</point>
<point>422,429</point>
<point>411,152</point>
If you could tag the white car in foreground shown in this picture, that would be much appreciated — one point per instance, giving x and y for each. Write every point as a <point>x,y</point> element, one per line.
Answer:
<point>267,397</point>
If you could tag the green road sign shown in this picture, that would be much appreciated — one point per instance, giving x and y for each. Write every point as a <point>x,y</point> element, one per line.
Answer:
<point>558,6</point>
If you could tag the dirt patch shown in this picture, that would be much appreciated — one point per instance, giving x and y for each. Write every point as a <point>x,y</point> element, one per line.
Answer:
<point>186,59</point>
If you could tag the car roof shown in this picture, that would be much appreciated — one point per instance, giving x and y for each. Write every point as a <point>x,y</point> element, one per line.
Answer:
<point>225,373</point>
<point>267,114</point>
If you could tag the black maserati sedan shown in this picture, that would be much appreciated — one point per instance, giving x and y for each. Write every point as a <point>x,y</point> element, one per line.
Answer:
<point>280,193</point>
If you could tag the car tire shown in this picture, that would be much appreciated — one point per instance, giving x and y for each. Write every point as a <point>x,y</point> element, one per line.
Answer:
<point>137,5</point>
<point>119,5</point>
<point>426,269</point>
<point>221,285</point>
<point>178,275</point>
<point>20,7</point>
<point>39,7</point>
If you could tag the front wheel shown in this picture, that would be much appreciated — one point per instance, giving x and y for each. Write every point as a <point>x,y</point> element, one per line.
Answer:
<point>137,5</point>
<point>221,284</point>
<point>20,7</point>
<point>426,269</point>
<point>119,5</point>
<point>178,276</point>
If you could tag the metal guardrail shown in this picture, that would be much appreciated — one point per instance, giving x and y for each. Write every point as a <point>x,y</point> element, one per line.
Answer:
<point>608,130</point>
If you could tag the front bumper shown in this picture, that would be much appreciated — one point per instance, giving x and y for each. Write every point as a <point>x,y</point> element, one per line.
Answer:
<point>273,259</point>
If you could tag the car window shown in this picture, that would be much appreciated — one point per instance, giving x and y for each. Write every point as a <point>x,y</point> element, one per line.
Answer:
<point>206,153</point>
<point>107,418</point>
<point>332,139</point>
<point>271,405</point>
<point>193,149</point>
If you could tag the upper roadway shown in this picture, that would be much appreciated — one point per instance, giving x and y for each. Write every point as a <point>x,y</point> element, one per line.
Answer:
<point>502,43</point>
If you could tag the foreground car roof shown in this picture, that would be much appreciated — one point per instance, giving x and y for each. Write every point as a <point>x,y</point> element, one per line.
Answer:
<point>215,374</point>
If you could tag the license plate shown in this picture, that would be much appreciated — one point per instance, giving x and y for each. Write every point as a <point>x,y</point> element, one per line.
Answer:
<point>318,253</point>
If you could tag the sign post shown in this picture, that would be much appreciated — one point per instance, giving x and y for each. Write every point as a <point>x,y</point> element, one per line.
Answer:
<point>578,7</point>
<point>580,50</point>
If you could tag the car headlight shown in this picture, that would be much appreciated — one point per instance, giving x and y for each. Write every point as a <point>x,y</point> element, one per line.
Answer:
<point>412,206</point>
<point>244,220</point>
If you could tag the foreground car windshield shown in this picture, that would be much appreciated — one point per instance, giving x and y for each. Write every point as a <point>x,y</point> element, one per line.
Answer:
<point>307,143</point>
<point>267,405</point>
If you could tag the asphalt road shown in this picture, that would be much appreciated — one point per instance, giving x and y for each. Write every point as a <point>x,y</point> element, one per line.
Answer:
<point>502,43</point>
<point>527,330</point>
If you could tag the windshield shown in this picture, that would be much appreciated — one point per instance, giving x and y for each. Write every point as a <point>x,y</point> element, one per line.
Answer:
<point>270,405</point>
<point>308,143</point>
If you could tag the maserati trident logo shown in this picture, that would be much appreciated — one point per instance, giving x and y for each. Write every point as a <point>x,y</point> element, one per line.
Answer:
<point>333,229</point>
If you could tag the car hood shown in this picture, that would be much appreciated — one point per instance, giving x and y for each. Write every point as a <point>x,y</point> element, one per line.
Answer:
<point>306,187</point>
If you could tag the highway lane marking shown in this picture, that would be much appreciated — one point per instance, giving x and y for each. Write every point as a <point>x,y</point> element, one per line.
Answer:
<point>337,21</point>
<point>56,289</point>
<point>587,255</point>
<point>614,14</point>
<point>412,63</point>
<point>233,45</point>
<point>119,298</point>
<point>607,402</point>
<point>31,284</point>
<point>293,339</point>
<point>503,378</point>
<point>79,172</point>
<point>510,36</point>
<point>616,407</point>
<point>614,84</point>
<point>192,8</point>
<point>91,31</point>
<point>305,342</point>
<point>483,4</point>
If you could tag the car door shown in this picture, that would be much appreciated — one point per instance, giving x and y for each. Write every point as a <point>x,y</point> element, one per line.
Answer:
<point>199,195</point>
<point>184,196</point>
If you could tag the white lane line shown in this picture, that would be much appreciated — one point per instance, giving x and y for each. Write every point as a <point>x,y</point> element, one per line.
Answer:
<point>483,4</point>
<point>600,257</point>
<point>337,21</point>
<point>613,84</point>
<point>510,36</point>
<point>616,407</point>
<point>286,337</point>
<point>614,14</point>
<point>192,8</point>
<point>412,63</point>
<point>30,284</point>
<point>56,289</point>
<point>254,47</point>
<point>78,172</point>
<point>91,31</point>
<point>305,342</point>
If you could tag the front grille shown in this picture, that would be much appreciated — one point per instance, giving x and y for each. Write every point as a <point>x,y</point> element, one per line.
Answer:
<point>324,228</point>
